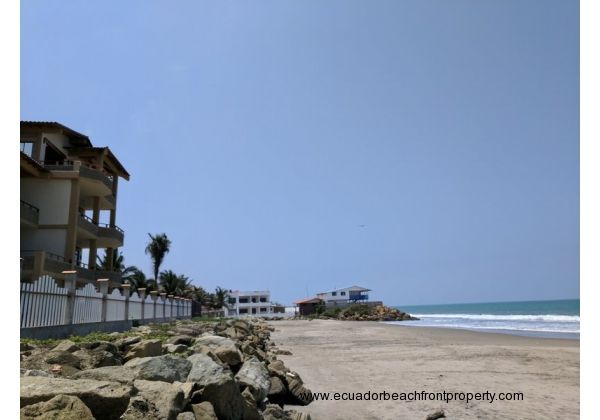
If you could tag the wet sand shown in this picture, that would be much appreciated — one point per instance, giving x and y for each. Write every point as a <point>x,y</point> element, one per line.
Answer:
<point>357,357</point>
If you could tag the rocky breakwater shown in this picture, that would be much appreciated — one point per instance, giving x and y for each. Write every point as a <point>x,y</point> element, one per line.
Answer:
<point>182,370</point>
<point>360,312</point>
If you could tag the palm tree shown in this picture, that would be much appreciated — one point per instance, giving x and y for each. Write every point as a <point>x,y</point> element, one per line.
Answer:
<point>118,265</point>
<point>138,280</point>
<point>158,247</point>
<point>172,284</point>
<point>198,295</point>
<point>220,298</point>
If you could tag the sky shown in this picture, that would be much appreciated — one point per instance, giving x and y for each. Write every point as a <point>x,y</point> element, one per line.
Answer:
<point>427,150</point>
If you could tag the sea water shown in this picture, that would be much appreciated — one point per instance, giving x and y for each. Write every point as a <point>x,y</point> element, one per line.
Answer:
<point>547,318</point>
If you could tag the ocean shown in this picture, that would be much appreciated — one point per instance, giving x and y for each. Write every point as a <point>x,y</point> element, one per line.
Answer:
<point>545,318</point>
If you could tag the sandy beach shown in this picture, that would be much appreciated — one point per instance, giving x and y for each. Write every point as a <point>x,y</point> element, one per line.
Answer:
<point>357,357</point>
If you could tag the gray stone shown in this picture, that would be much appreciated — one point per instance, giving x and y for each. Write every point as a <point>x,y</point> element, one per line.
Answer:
<point>60,407</point>
<point>255,376</point>
<point>141,409</point>
<point>126,342</point>
<point>188,415</point>
<point>66,345</point>
<point>175,348</point>
<point>63,358</point>
<point>277,387</point>
<point>250,410</point>
<point>145,348</point>
<point>274,412</point>
<point>106,400</point>
<point>165,368</point>
<point>218,386</point>
<point>108,373</point>
<point>168,398</point>
<point>204,411</point>
<point>97,357</point>
<point>224,348</point>
<point>298,390</point>
<point>181,339</point>
<point>35,372</point>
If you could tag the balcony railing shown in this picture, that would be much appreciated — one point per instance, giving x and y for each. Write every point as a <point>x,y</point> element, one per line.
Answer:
<point>30,212</point>
<point>84,170</point>
<point>86,223</point>
<point>56,264</point>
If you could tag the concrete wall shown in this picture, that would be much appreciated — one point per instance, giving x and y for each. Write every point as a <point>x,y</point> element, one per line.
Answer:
<point>51,196</point>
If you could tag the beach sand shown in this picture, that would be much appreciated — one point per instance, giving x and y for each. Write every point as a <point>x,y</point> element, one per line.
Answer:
<point>352,356</point>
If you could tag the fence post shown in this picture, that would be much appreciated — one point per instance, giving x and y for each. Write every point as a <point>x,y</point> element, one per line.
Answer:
<point>126,287</point>
<point>154,296</point>
<point>70,279</point>
<point>142,293</point>
<point>170,300</point>
<point>164,305</point>
<point>103,286</point>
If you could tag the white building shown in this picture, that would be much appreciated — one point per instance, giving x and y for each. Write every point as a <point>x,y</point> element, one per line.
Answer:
<point>252,303</point>
<point>346,294</point>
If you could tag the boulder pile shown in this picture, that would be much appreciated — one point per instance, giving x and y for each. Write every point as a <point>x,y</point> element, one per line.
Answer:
<point>182,370</point>
<point>361,312</point>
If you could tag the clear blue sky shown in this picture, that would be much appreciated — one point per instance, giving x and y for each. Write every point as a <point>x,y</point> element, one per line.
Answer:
<point>261,135</point>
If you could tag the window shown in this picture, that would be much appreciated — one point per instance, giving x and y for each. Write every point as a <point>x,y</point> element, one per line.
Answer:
<point>27,148</point>
<point>253,300</point>
<point>263,299</point>
<point>232,301</point>
<point>243,300</point>
<point>333,293</point>
<point>243,311</point>
<point>263,310</point>
<point>342,293</point>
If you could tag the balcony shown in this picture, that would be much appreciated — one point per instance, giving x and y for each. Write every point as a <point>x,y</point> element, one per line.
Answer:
<point>357,297</point>
<point>106,235</point>
<point>87,228</point>
<point>110,236</point>
<point>44,262</point>
<point>84,272</point>
<point>94,182</point>
<point>30,214</point>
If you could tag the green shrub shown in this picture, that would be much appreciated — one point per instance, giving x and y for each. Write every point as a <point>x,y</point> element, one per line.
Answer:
<point>357,309</point>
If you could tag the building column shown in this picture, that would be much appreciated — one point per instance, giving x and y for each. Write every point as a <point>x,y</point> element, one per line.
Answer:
<point>71,240</point>
<point>113,220</point>
<point>94,242</point>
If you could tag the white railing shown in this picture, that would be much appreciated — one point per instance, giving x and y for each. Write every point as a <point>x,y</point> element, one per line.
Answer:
<point>44,304</point>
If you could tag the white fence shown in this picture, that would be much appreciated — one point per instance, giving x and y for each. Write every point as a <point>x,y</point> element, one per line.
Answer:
<point>44,303</point>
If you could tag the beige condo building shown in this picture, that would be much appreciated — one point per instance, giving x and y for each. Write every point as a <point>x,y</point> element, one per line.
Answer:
<point>68,203</point>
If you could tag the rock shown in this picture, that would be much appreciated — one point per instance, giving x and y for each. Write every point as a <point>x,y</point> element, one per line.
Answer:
<point>101,345</point>
<point>297,389</point>
<point>283,352</point>
<point>66,345</point>
<point>255,376</point>
<point>274,412</point>
<point>186,340</point>
<point>145,348</point>
<point>60,407</point>
<point>97,357</point>
<point>26,347</point>
<point>106,400</point>
<point>436,415</point>
<point>277,368</point>
<point>35,372</point>
<point>218,386</point>
<point>204,411</point>
<point>276,387</point>
<point>188,415</point>
<point>63,358</point>
<point>168,398</point>
<point>108,373</point>
<point>124,343</point>
<point>165,368</point>
<point>140,409</point>
<point>175,348</point>
<point>250,410</point>
<point>296,415</point>
<point>224,348</point>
